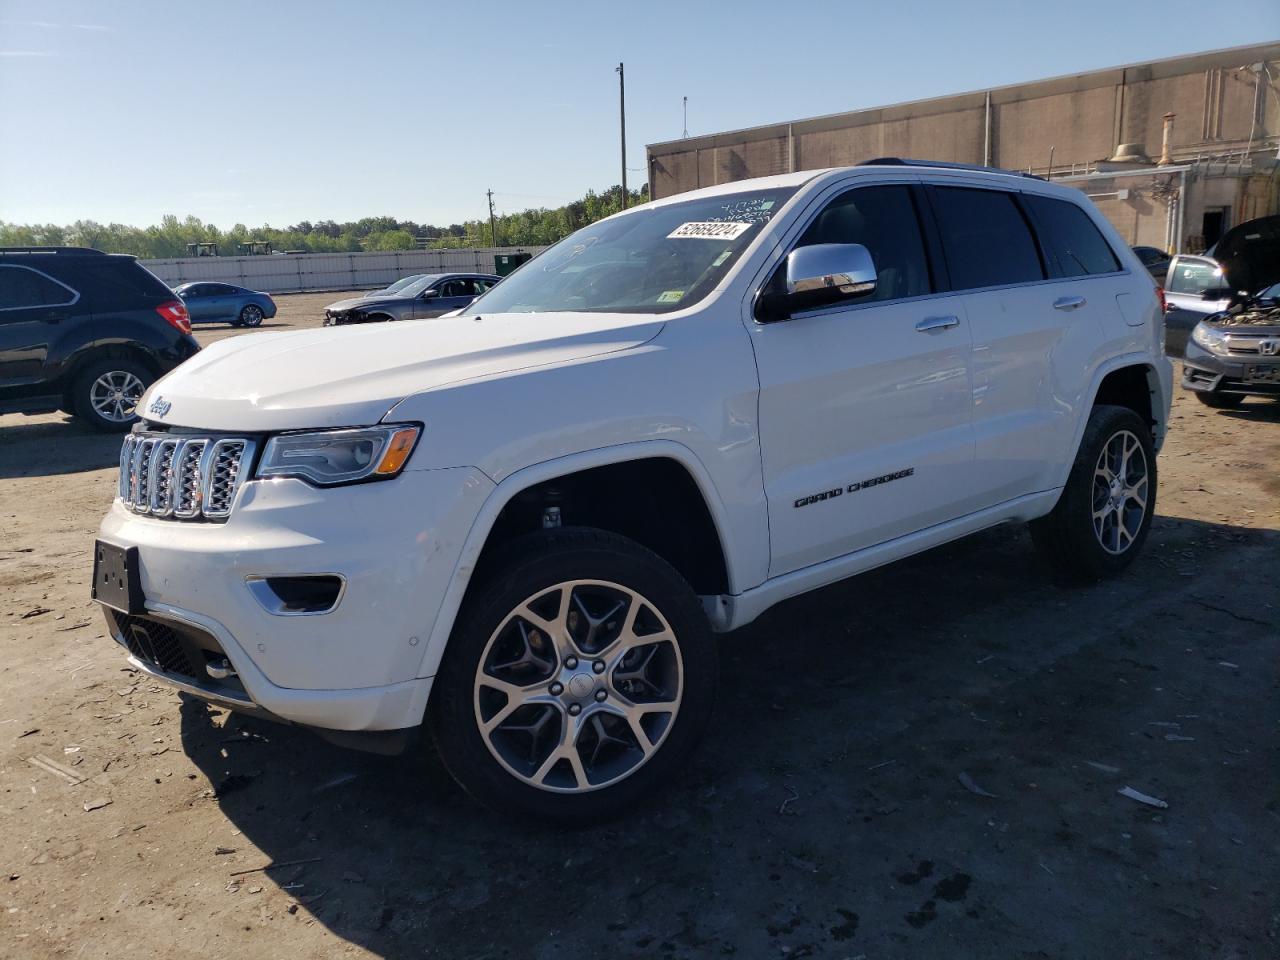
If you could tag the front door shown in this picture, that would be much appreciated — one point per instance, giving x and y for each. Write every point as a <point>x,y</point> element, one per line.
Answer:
<point>865,407</point>
<point>454,295</point>
<point>200,302</point>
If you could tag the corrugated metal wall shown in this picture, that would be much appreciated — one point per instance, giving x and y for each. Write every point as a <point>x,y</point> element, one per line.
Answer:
<point>303,272</point>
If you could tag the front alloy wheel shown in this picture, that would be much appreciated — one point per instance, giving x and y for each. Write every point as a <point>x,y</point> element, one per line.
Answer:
<point>578,686</point>
<point>579,676</point>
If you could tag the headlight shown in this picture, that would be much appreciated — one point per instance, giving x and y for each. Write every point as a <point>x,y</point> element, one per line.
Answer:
<point>1209,338</point>
<point>330,457</point>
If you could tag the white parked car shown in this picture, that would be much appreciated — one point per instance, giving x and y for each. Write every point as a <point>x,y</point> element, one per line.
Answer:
<point>520,526</point>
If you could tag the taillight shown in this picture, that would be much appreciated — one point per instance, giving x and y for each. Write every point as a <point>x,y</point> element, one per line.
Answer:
<point>175,314</point>
<point>1164,304</point>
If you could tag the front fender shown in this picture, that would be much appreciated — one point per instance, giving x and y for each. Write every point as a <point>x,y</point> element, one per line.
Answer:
<point>513,484</point>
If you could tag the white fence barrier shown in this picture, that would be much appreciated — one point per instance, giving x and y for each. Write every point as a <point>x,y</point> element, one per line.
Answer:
<point>305,272</point>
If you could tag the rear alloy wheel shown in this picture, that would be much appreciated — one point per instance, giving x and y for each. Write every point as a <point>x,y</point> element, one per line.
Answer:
<point>250,316</point>
<point>582,676</point>
<point>1104,513</point>
<point>106,393</point>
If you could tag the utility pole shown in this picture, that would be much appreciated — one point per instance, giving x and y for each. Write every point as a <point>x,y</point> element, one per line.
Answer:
<point>622,119</point>
<point>493,230</point>
<point>686,119</point>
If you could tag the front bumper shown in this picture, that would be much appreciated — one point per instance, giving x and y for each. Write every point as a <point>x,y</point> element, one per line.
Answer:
<point>1242,375</point>
<point>356,667</point>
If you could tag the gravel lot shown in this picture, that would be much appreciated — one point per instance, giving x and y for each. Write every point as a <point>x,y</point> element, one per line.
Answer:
<point>824,816</point>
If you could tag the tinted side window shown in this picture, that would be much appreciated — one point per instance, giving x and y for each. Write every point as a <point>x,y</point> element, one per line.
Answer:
<point>21,287</point>
<point>986,240</point>
<point>1071,239</point>
<point>120,284</point>
<point>882,219</point>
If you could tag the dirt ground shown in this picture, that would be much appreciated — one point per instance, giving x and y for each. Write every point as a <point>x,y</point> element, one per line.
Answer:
<point>825,815</point>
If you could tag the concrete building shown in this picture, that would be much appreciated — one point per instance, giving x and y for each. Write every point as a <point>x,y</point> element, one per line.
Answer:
<point>1174,152</point>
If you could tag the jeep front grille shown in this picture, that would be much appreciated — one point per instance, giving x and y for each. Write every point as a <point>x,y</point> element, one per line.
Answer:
<point>180,477</point>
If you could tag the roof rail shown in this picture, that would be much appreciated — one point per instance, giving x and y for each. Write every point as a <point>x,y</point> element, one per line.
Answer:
<point>79,251</point>
<point>905,162</point>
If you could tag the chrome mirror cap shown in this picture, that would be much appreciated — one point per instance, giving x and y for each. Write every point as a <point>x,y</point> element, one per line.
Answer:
<point>817,276</point>
<point>844,269</point>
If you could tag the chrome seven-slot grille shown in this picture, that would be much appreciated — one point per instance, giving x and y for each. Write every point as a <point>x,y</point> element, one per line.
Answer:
<point>181,477</point>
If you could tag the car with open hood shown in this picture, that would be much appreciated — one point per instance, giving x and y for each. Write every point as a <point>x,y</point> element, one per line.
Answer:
<point>1232,350</point>
<point>516,528</point>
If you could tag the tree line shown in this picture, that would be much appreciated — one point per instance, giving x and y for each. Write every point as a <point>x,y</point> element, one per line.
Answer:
<point>170,237</point>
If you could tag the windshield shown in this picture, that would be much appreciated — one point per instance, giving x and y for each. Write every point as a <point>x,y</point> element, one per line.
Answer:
<point>654,260</point>
<point>1195,276</point>
<point>418,285</point>
<point>401,284</point>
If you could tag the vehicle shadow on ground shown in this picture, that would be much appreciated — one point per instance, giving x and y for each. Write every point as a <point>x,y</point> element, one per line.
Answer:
<point>48,448</point>
<point>824,796</point>
<point>1261,411</point>
<point>218,326</point>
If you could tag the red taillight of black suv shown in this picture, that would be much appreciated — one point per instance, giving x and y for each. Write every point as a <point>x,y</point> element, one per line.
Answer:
<point>175,314</point>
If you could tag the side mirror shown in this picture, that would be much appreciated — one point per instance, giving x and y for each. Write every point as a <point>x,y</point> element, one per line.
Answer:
<point>430,294</point>
<point>818,276</point>
<point>1218,293</point>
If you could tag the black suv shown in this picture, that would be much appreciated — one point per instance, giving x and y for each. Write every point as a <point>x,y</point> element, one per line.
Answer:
<point>85,332</point>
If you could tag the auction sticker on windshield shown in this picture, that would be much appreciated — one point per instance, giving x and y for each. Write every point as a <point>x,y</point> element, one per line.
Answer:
<point>708,230</point>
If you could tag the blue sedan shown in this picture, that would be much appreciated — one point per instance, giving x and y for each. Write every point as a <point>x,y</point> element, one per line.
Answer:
<point>223,303</point>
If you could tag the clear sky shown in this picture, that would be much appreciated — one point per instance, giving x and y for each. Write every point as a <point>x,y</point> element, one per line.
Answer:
<point>275,111</point>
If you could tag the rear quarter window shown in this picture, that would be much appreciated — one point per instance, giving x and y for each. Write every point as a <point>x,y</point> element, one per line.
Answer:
<point>120,284</point>
<point>985,238</point>
<point>1074,244</point>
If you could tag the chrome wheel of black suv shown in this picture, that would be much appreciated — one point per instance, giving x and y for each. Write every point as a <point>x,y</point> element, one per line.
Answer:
<point>1104,513</point>
<point>580,677</point>
<point>107,391</point>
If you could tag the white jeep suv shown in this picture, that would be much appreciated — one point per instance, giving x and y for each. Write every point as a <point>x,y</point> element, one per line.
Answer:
<point>519,526</point>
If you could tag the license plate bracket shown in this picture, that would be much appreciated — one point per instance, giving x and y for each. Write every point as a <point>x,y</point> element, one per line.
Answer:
<point>117,578</point>
<point>1262,373</point>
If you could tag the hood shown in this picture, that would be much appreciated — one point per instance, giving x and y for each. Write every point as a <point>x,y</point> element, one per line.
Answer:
<point>360,302</point>
<point>1250,254</point>
<point>351,376</point>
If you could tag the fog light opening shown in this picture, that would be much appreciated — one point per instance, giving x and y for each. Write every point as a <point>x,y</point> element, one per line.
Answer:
<point>297,595</point>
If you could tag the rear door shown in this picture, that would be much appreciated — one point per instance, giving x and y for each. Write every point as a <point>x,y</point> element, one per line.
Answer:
<point>34,311</point>
<point>1038,315</point>
<point>865,407</point>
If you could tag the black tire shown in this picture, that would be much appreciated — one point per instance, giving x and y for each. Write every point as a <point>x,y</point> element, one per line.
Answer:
<point>1220,401</point>
<point>1067,536</point>
<point>533,565</point>
<point>250,316</point>
<point>88,388</point>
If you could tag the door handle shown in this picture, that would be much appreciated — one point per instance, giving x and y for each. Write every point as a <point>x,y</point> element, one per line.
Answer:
<point>1069,303</point>
<point>929,324</point>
